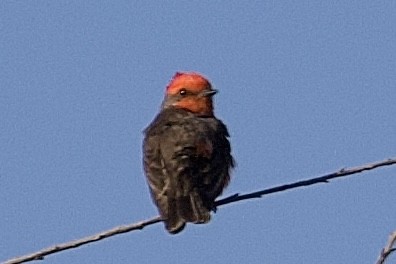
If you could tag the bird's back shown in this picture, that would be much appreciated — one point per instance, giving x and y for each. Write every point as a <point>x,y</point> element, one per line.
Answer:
<point>187,160</point>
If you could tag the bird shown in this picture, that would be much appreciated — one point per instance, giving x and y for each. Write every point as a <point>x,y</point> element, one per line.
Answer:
<point>187,156</point>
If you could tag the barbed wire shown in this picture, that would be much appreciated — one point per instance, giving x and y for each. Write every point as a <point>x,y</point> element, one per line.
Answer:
<point>39,255</point>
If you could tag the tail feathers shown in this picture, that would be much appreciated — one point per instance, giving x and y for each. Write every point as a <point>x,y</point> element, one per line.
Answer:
<point>186,209</point>
<point>191,208</point>
<point>174,223</point>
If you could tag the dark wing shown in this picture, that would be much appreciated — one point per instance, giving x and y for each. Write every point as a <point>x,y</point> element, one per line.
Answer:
<point>221,163</point>
<point>154,166</point>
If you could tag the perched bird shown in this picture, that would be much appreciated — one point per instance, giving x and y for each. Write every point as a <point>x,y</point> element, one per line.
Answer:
<point>186,153</point>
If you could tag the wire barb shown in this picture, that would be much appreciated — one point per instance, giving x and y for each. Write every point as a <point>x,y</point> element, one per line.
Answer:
<point>388,249</point>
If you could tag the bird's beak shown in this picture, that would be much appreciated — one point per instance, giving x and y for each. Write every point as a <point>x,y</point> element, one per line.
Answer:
<point>208,92</point>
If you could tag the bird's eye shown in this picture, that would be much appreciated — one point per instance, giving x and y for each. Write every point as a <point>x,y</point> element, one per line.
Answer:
<point>183,92</point>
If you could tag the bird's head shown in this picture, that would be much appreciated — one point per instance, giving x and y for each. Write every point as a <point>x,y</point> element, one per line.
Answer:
<point>190,91</point>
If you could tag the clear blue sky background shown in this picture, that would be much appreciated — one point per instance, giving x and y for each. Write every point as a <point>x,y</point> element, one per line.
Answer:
<point>306,88</point>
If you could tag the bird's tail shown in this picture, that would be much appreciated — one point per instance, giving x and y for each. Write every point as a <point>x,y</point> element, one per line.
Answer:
<point>186,209</point>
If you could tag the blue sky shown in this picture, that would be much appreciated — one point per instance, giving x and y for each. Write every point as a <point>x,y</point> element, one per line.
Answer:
<point>306,88</point>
